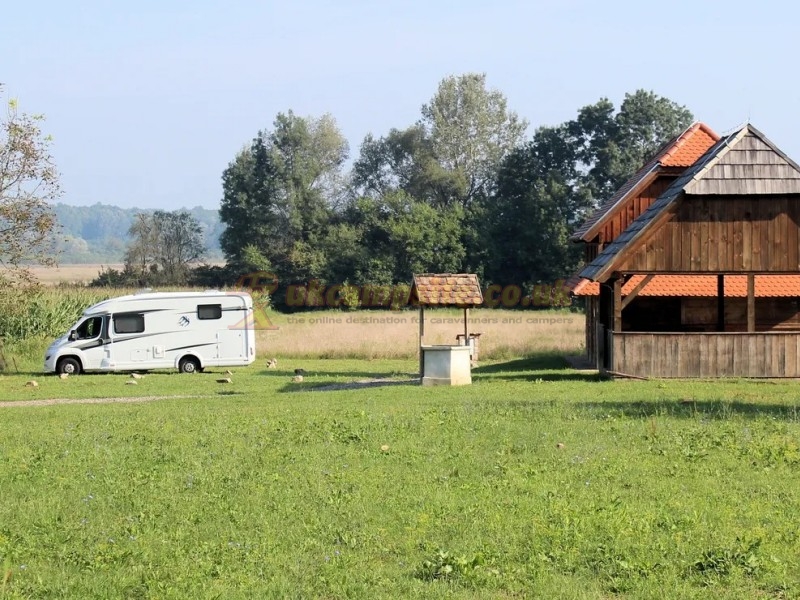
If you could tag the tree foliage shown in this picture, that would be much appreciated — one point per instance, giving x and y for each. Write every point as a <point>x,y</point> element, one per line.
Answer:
<point>459,190</point>
<point>612,146</point>
<point>471,130</point>
<point>28,184</point>
<point>163,246</point>
<point>279,193</point>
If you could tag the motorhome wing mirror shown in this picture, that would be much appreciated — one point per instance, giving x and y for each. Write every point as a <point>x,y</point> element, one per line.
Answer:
<point>73,335</point>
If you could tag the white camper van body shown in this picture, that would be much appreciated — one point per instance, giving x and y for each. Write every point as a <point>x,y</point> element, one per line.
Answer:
<point>159,330</point>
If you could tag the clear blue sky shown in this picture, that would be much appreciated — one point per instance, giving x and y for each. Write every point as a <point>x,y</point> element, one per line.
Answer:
<point>149,101</point>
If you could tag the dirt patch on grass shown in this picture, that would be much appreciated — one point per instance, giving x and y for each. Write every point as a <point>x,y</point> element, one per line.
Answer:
<point>365,383</point>
<point>55,401</point>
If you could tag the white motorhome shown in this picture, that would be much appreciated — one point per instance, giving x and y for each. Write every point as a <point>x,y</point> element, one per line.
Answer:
<point>159,330</point>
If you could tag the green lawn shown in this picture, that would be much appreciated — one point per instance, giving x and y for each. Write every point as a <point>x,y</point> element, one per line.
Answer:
<point>536,481</point>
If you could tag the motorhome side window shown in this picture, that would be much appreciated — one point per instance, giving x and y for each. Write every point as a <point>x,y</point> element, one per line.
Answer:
<point>206,312</point>
<point>129,323</point>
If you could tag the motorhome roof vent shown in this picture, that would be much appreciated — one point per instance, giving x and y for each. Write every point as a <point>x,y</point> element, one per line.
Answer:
<point>143,291</point>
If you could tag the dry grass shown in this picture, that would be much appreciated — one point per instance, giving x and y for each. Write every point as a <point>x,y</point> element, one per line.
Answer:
<point>385,334</point>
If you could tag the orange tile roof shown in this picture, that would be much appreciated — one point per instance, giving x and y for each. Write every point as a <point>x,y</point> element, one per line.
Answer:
<point>447,289</point>
<point>767,286</point>
<point>691,145</point>
<point>681,151</point>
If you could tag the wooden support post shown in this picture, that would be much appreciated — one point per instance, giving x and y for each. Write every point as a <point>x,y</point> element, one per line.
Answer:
<point>466,326</point>
<point>421,338</point>
<point>720,302</point>
<point>751,303</point>
<point>618,304</point>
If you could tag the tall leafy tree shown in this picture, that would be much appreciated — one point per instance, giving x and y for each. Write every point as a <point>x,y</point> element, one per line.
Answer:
<point>28,186</point>
<point>471,130</point>
<point>540,197</point>
<point>254,207</point>
<point>180,243</point>
<point>278,195</point>
<point>397,235</point>
<point>613,145</point>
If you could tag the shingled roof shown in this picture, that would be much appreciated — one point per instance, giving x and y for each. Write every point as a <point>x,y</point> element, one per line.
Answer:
<point>699,286</point>
<point>447,289</point>
<point>681,151</point>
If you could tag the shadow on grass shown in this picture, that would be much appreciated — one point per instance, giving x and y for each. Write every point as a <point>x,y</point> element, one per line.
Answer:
<point>537,367</point>
<point>332,374</point>
<point>693,409</point>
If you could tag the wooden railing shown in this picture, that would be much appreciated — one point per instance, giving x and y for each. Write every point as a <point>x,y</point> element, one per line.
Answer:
<point>763,354</point>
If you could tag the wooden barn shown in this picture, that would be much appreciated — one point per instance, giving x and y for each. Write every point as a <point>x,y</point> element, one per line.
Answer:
<point>693,266</point>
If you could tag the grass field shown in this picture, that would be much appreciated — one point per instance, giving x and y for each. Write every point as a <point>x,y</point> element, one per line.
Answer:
<point>536,481</point>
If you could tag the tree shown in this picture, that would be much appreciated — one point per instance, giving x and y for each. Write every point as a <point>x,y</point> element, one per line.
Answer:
<point>28,184</point>
<point>163,245</point>
<point>395,236</point>
<point>279,194</point>
<point>180,243</point>
<point>612,146</point>
<point>140,257</point>
<point>448,159</point>
<point>404,160</point>
<point>539,200</point>
<point>471,131</point>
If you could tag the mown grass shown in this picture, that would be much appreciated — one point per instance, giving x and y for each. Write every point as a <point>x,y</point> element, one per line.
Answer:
<point>536,481</point>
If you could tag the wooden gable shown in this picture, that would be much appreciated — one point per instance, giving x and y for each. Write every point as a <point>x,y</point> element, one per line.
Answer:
<point>632,207</point>
<point>635,195</point>
<point>750,164</point>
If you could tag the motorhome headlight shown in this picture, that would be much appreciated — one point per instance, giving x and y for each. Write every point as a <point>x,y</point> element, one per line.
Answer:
<point>47,357</point>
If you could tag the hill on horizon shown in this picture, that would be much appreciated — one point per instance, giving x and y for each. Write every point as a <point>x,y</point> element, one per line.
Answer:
<point>99,233</point>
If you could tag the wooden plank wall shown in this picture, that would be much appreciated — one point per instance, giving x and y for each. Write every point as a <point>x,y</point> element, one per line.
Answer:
<point>707,354</point>
<point>632,208</point>
<point>723,234</point>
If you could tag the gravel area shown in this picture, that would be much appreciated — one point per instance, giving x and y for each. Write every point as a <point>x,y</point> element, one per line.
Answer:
<point>55,401</point>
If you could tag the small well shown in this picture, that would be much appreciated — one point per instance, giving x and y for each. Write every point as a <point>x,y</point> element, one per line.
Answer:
<point>443,364</point>
<point>446,365</point>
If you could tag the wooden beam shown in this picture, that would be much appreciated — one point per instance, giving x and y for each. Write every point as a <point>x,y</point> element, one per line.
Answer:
<point>720,302</point>
<point>421,338</point>
<point>635,291</point>
<point>751,303</point>
<point>618,304</point>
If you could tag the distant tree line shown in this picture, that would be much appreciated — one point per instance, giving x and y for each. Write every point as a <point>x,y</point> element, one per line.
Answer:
<point>101,233</point>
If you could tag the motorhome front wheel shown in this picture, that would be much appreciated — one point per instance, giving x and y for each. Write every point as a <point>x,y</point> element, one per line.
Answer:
<point>70,366</point>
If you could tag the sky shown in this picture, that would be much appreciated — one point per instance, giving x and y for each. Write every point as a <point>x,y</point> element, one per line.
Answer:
<point>149,101</point>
